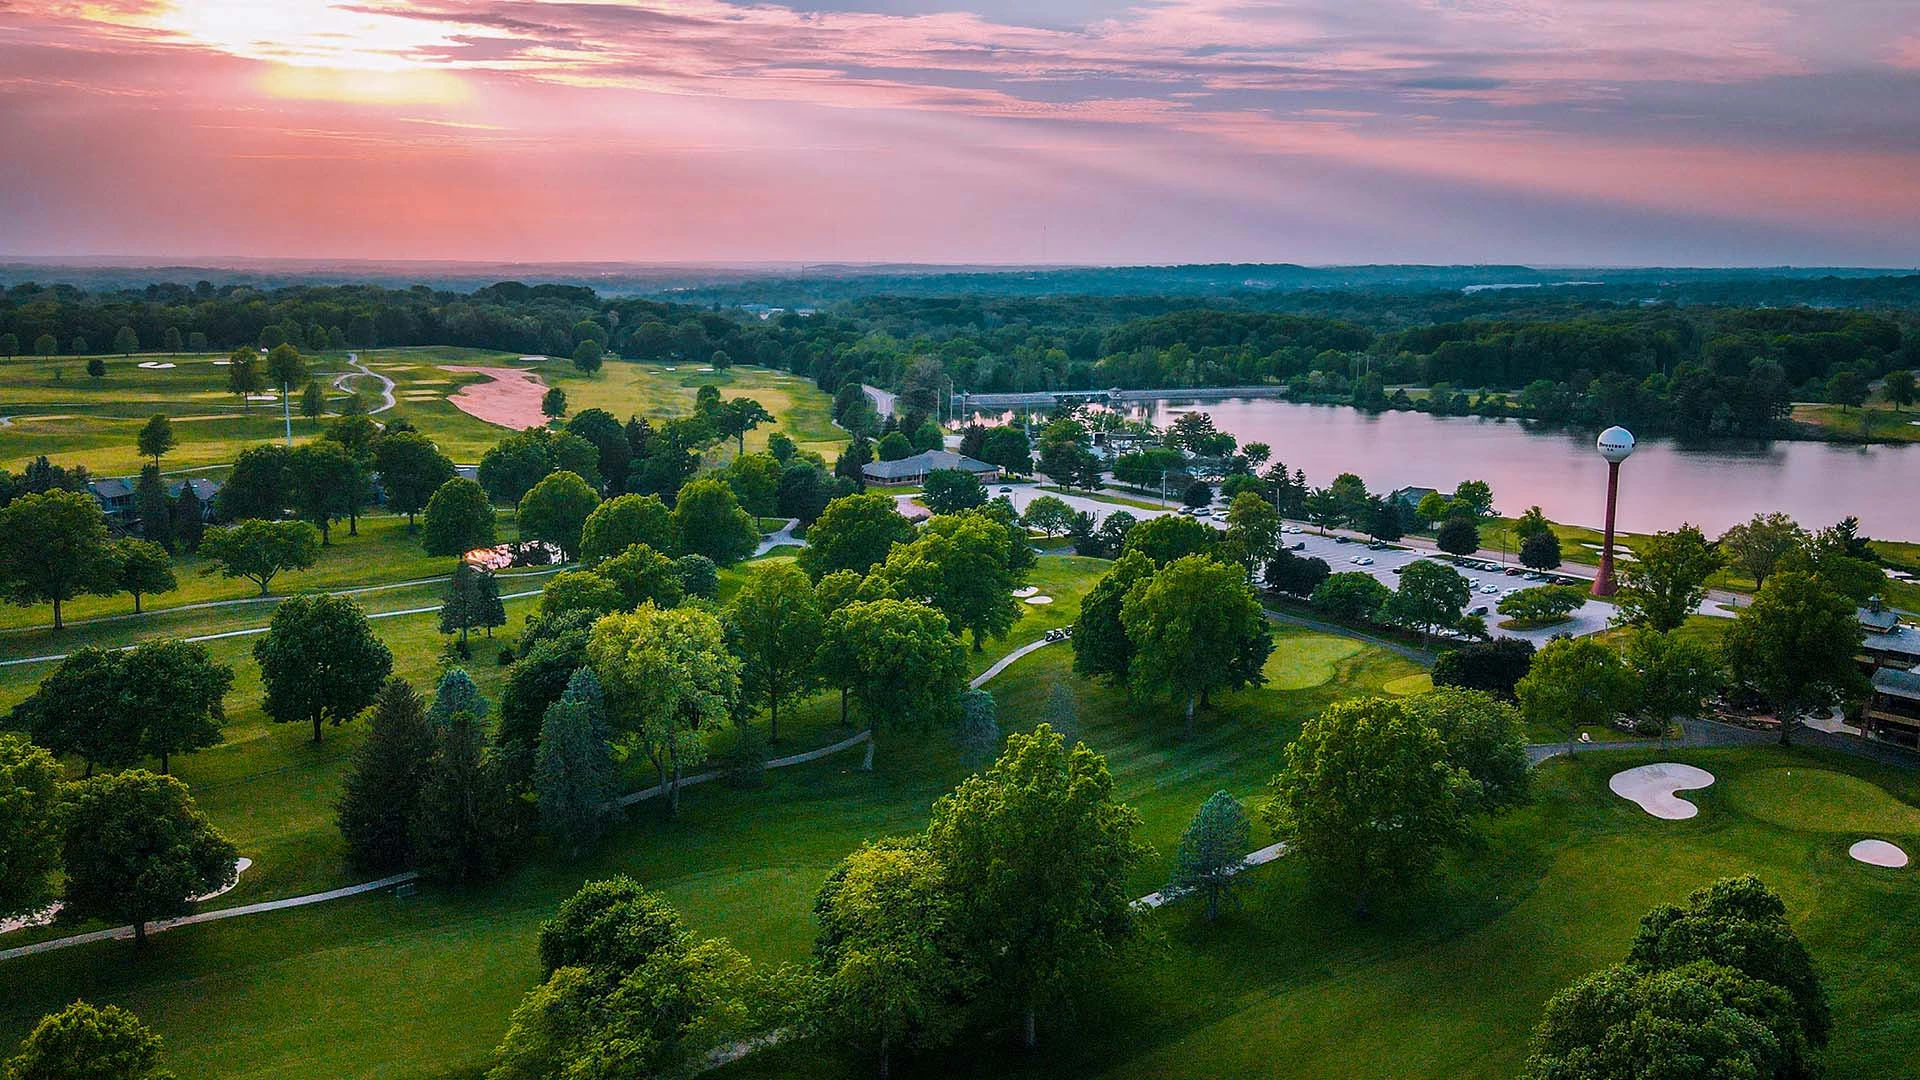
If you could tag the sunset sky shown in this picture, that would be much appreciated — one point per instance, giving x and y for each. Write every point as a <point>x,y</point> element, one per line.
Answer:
<point>1551,131</point>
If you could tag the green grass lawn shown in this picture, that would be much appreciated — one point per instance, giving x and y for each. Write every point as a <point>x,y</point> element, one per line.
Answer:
<point>1877,420</point>
<point>384,552</point>
<point>1450,982</point>
<point>743,863</point>
<point>1446,985</point>
<point>57,410</point>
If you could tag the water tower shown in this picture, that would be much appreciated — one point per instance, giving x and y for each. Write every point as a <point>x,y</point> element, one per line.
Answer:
<point>1614,444</point>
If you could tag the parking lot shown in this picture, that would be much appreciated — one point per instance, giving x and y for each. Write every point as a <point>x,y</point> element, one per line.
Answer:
<point>1387,562</point>
<point>1591,617</point>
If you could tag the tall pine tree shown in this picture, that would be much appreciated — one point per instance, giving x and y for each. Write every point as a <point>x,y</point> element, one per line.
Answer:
<point>382,788</point>
<point>573,776</point>
<point>457,694</point>
<point>463,825</point>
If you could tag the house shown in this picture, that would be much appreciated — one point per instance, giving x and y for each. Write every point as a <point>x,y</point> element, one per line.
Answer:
<point>114,495</point>
<point>203,489</point>
<point>1409,497</point>
<point>1893,709</point>
<point>914,470</point>
<point>1883,641</point>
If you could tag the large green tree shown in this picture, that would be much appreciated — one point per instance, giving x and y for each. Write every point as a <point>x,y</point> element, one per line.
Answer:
<point>708,520</point>
<point>463,827</point>
<point>261,550</point>
<point>669,679</point>
<point>1195,627</point>
<point>177,690</point>
<point>381,789</point>
<point>320,661</point>
<point>329,483</point>
<point>30,821</point>
<point>156,438</point>
<point>1369,800</point>
<point>853,533</point>
<point>889,951</point>
<point>458,519</point>
<point>1253,530</point>
<point>574,774</point>
<point>139,849</point>
<point>1100,643</point>
<point>1666,579</point>
<point>1485,737</point>
<point>774,625</point>
<point>623,521</point>
<point>1756,547</point>
<point>1795,646</point>
<point>556,509</point>
<point>77,710</point>
<point>1041,855</point>
<point>258,486</point>
<point>1170,536</point>
<point>54,547</point>
<point>1430,597</point>
<point>142,568</point>
<point>1673,678</point>
<point>1575,683</point>
<point>412,469</point>
<point>959,564</point>
<point>896,661</point>
<point>81,1042</point>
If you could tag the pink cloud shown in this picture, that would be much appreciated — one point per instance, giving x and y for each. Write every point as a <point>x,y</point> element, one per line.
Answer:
<point>441,125</point>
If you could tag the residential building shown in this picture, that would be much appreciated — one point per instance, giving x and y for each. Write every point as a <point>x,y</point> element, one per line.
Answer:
<point>1892,711</point>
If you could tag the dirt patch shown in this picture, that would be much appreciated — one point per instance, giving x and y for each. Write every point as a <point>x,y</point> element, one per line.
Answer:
<point>510,397</point>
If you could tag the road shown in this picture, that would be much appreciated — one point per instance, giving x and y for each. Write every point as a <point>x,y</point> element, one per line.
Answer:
<point>884,401</point>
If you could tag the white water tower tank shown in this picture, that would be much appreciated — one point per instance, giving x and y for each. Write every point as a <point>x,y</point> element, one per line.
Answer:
<point>1615,444</point>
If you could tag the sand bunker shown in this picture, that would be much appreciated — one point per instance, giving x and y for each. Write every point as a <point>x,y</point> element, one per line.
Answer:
<point>222,363</point>
<point>1653,787</point>
<point>510,397</point>
<point>154,365</point>
<point>1026,592</point>
<point>1039,600</point>
<point>1878,853</point>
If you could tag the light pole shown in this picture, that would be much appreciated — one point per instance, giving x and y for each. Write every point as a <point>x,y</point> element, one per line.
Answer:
<point>1614,444</point>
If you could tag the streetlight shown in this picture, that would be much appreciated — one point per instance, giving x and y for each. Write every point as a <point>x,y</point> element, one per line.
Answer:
<point>1614,444</point>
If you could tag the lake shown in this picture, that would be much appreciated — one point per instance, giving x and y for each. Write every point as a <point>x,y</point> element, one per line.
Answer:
<point>1664,483</point>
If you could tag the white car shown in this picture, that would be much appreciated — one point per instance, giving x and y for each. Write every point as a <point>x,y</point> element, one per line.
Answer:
<point>1489,590</point>
<point>1363,561</point>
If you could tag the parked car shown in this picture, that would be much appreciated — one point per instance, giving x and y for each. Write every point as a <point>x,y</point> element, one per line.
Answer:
<point>1489,590</point>
<point>1343,540</point>
<point>1513,571</point>
<point>1300,545</point>
<point>1481,611</point>
<point>1364,561</point>
<point>1006,491</point>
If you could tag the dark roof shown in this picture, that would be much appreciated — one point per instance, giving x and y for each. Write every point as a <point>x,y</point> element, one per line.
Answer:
<point>1900,642</point>
<point>1411,495</point>
<point>922,463</point>
<point>1897,683</point>
<point>112,487</point>
<point>1878,619</point>
<point>203,488</point>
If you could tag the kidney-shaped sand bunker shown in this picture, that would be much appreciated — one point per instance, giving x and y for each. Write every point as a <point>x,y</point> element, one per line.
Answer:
<point>1653,787</point>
